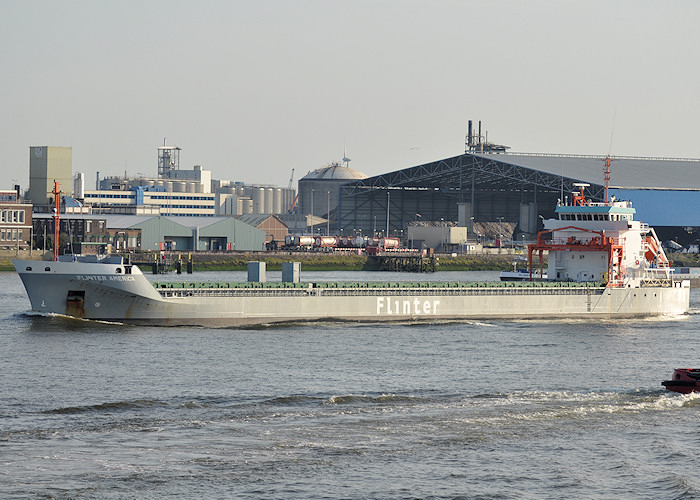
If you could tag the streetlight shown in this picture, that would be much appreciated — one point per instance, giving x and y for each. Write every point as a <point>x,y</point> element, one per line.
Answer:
<point>442,233</point>
<point>471,222</point>
<point>500,233</point>
<point>387,213</point>
<point>312,211</point>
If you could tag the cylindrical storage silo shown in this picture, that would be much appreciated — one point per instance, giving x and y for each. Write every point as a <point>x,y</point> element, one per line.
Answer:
<point>160,183</point>
<point>150,182</point>
<point>179,186</point>
<point>277,201</point>
<point>198,187</point>
<point>269,200</point>
<point>190,187</point>
<point>79,186</point>
<point>169,186</point>
<point>247,206</point>
<point>259,200</point>
<point>239,206</point>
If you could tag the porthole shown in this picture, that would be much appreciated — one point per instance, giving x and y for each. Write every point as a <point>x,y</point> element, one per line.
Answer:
<point>47,269</point>
<point>28,268</point>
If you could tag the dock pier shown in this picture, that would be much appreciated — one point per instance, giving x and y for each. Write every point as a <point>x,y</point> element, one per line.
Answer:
<point>405,262</point>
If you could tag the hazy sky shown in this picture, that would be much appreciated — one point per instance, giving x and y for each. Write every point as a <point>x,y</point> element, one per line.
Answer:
<point>252,89</point>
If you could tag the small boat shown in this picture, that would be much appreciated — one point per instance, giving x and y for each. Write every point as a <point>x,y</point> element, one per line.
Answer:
<point>521,273</point>
<point>684,380</point>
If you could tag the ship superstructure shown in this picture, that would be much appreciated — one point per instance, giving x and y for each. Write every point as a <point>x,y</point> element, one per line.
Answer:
<point>601,242</point>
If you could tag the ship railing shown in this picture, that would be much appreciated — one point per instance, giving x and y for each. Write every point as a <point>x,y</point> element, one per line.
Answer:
<point>568,241</point>
<point>653,273</point>
<point>378,288</point>
<point>655,282</point>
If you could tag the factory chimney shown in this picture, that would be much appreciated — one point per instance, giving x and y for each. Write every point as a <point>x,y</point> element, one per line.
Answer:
<point>481,145</point>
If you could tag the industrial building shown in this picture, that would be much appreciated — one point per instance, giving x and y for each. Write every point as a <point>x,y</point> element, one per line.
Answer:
<point>46,165</point>
<point>192,233</point>
<point>15,220</point>
<point>275,229</point>
<point>150,200</point>
<point>179,192</point>
<point>515,189</point>
<point>88,233</point>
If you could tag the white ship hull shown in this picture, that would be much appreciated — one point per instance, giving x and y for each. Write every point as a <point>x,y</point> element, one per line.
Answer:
<point>114,292</point>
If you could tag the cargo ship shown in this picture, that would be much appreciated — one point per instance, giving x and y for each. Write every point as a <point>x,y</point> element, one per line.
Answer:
<point>601,264</point>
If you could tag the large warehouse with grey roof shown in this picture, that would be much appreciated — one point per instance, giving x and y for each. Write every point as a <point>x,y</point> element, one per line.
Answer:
<point>518,188</point>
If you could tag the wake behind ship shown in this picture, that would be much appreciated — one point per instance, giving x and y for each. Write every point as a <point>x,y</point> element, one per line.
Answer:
<point>601,264</point>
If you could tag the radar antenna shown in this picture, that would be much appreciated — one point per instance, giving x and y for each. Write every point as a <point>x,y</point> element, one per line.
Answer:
<point>346,160</point>
<point>606,175</point>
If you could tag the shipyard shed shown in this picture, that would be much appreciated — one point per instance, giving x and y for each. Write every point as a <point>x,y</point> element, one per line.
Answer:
<point>275,229</point>
<point>517,188</point>
<point>191,233</point>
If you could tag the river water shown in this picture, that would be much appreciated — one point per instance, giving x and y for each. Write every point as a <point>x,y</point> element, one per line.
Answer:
<point>503,409</point>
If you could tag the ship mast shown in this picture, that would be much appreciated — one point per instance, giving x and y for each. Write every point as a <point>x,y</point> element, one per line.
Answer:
<point>606,171</point>
<point>56,193</point>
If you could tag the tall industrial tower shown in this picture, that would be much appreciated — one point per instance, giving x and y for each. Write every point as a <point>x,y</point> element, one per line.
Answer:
<point>168,159</point>
<point>46,165</point>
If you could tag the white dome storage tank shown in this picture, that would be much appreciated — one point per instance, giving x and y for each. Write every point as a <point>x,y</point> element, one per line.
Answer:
<point>322,184</point>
